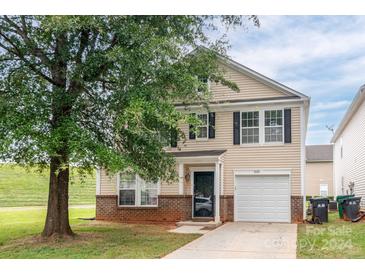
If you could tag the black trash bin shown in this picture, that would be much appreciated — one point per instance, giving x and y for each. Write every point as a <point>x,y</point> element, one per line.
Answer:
<point>333,206</point>
<point>319,210</point>
<point>351,207</point>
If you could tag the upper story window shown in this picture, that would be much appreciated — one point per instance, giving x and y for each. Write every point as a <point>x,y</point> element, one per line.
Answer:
<point>262,127</point>
<point>250,127</point>
<point>204,84</point>
<point>202,129</point>
<point>273,126</point>
<point>134,191</point>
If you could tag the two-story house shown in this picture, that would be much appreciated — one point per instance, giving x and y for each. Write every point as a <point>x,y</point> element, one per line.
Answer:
<point>246,162</point>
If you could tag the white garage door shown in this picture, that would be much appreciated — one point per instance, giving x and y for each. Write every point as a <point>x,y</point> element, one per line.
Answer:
<point>262,198</point>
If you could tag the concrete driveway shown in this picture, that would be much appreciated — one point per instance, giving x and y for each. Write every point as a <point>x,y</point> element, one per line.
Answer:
<point>243,240</point>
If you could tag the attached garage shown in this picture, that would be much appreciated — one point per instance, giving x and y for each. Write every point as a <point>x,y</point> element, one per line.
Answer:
<point>262,198</point>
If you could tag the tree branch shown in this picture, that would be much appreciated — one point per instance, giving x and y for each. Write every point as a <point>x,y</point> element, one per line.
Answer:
<point>17,52</point>
<point>102,68</point>
<point>23,34</point>
<point>84,40</point>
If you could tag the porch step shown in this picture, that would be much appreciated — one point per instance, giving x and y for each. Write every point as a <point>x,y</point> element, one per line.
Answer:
<point>202,219</point>
<point>209,224</point>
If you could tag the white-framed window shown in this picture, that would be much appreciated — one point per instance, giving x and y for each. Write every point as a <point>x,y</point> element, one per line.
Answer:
<point>134,191</point>
<point>323,190</point>
<point>204,82</point>
<point>250,127</point>
<point>262,126</point>
<point>274,126</point>
<point>203,127</point>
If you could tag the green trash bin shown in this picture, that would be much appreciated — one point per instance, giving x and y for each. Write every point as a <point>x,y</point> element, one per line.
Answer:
<point>339,200</point>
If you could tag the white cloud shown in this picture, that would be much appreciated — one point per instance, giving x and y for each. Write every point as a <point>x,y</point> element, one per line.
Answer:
<point>313,125</point>
<point>321,136</point>
<point>322,106</point>
<point>322,57</point>
<point>289,41</point>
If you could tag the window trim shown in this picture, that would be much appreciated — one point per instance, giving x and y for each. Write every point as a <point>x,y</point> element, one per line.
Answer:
<point>241,128</point>
<point>262,126</point>
<point>208,87</point>
<point>207,126</point>
<point>282,126</point>
<point>137,193</point>
<point>326,185</point>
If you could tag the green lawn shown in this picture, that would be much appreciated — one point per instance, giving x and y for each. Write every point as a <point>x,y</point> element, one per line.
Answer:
<point>22,187</point>
<point>335,240</point>
<point>19,238</point>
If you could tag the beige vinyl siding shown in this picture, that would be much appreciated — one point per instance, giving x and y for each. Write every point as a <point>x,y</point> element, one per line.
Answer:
<point>251,157</point>
<point>108,183</point>
<point>170,188</point>
<point>352,166</point>
<point>317,173</point>
<point>249,88</point>
<point>236,157</point>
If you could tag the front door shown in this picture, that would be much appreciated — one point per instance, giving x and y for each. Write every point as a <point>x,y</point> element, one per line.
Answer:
<point>204,194</point>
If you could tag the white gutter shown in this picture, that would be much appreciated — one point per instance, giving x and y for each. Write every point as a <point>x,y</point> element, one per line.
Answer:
<point>239,104</point>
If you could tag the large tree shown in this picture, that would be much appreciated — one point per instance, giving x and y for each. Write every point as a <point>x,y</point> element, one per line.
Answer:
<point>100,91</point>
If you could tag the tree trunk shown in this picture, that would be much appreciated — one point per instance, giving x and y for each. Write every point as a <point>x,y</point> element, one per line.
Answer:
<point>57,222</point>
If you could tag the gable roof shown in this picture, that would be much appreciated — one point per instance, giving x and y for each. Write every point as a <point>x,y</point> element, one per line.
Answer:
<point>261,78</point>
<point>319,153</point>
<point>356,103</point>
<point>257,76</point>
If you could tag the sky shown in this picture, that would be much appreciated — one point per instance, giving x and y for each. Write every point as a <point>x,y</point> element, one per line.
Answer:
<point>320,56</point>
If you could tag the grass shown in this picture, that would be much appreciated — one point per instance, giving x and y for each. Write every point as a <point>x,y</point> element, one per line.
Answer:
<point>27,187</point>
<point>336,239</point>
<point>19,238</point>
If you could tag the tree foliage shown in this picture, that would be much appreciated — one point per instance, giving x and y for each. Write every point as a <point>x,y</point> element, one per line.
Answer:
<point>100,90</point>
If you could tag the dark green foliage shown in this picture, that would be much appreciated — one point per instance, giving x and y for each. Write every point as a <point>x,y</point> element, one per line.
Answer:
<point>100,90</point>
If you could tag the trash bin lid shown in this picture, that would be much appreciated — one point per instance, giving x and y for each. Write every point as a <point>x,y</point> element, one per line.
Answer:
<point>351,199</point>
<point>319,199</point>
<point>341,197</point>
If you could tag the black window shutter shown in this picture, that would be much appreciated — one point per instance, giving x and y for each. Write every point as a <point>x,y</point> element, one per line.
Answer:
<point>287,125</point>
<point>211,125</point>
<point>173,138</point>
<point>191,130</point>
<point>236,128</point>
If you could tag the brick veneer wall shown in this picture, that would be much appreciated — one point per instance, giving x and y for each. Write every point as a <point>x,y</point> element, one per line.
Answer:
<point>296,209</point>
<point>226,208</point>
<point>171,208</point>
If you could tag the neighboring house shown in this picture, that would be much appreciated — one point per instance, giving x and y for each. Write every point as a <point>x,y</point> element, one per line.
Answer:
<point>246,163</point>
<point>319,170</point>
<point>349,150</point>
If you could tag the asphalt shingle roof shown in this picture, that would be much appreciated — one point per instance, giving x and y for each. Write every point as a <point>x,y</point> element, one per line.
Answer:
<point>319,153</point>
<point>198,153</point>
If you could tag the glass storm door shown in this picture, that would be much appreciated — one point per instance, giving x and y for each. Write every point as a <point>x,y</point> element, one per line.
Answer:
<point>204,194</point>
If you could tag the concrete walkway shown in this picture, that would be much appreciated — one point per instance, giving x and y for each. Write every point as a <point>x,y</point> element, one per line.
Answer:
<point>243,240</point>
